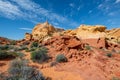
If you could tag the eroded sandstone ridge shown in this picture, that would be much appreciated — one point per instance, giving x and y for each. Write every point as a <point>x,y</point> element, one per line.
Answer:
<point>114,35</point>
<point>87,31</point>
<point>44,31</point>
<point>92,52</point>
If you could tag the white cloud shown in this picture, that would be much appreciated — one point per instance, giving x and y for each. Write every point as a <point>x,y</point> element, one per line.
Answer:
<point>90,11</point>
<point>30,11</point>
<point>72,5</point>
<point>38,11</point>
<point>111,13</point>
<point>79,8</point>
<point>117,1</point>
<point>9,10</point>
<point>100,5</point>
<point>29,29</point>
<point>109,8</point>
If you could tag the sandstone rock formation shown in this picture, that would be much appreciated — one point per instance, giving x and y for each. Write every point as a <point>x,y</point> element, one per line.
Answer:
<point>70,46</point>
<point>93,35</point>
<point>4,40</point>
<point>44,31</point>
<point>86,31</point>
<point>95,42</point>
<point>113,35</point>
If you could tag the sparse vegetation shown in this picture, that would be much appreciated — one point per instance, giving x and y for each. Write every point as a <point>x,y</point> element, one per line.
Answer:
<point>109,55</point>
<point>5,54</point>
<point>40,55</point>
<point>4,47</point>
<point>8,54</point>
<point>34,44</point>
<point>23,48</point>
<point>13,42</point>
<point>87,47</point>
<point>20,55</point>
<point>61,58</point>
<point>53,64</point>
<point>19,70</point>
<point>115,78</point>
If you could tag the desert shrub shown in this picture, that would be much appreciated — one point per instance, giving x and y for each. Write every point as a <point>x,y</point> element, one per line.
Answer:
<point>19,70</point>
<point>32,49</point>
<point>34,44</point>
<point>23,48</point>
<point>19,54</point>
<point>115,78</point>
<point>5,54</point>
<point>87,47</point>
<point>39,55</point>
<point>27,50</point>
<point>13,42</point>
<point>61,58</point>
<point>4,47</point>
<point>53,64</point>
<point>109,54</point>
<point>9,54</point>
<point>44,49</point>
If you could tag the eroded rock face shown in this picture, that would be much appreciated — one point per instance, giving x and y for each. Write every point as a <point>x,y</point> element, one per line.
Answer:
<point>113,35</point>
<point>70,46</point>
<point>44,31</point>
<point>95,42</point>
<point>4,40</point>
<point>86,31</point>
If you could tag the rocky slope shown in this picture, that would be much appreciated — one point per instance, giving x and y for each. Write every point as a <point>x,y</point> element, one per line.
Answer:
<point>92,52</point>
<point>44,31</point>
<point>114,35</point>
<point>87,31</point>
<point>4,40</point>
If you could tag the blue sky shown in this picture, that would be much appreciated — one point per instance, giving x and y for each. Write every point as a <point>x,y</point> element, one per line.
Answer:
<point>20,16</point>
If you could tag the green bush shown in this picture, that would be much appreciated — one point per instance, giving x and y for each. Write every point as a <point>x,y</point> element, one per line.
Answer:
<point>27,50</point>
<point>32,49</point>
<point>87,47</point>
<point>34,44</point>
<point>4,55</point>
<point>4,47</point>
<point>23,48</point>
<point>13,42</point>
<point>115,78</point>
<point>109,55</point>
<point>39,55</point>
<point>19,54</point>
<point>19,70</point>
<point>53,64</point>
<point>61,58</point>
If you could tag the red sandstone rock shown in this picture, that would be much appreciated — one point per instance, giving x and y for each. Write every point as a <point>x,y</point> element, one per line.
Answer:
<point>98,42</point>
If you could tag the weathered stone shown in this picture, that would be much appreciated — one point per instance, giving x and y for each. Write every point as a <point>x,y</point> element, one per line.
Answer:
<point>95,42</point>
<point>44,31</point>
